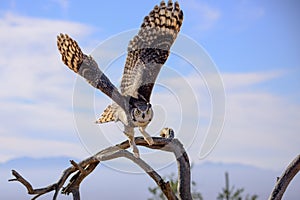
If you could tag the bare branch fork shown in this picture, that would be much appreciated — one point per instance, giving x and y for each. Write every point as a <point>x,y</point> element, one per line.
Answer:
<point>84,168</point>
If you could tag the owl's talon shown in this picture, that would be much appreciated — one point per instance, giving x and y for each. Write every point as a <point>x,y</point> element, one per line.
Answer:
<point>136,152</point>
<point>149,140</point>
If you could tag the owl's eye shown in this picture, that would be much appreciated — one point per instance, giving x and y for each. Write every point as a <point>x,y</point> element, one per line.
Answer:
<point>148,112</point>
<point>137,112</point>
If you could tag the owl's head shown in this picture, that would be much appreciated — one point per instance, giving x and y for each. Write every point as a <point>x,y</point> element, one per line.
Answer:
<point>141,113</point>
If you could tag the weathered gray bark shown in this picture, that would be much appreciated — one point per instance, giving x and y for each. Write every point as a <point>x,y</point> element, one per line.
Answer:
<point>285,179</point>
<point>85,167</point>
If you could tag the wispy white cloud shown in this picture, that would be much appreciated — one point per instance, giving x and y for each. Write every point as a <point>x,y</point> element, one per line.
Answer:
<point>242,80</point>
<point>260,125</point>
<point>30,62</point>
<point>36,89</point>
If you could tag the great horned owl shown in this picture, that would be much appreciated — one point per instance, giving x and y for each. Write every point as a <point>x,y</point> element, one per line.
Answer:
<point>147,52</point>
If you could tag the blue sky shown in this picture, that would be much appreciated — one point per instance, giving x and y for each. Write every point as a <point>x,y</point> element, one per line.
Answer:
<point>255,45</point>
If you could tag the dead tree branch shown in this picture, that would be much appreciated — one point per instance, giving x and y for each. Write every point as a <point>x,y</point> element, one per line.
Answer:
<point>84,168</point>
<point>285,179</point>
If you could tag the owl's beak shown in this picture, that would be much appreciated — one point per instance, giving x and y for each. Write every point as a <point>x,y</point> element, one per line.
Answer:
<point>143,115</point>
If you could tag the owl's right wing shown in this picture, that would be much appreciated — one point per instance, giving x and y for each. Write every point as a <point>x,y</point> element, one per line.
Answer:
<point>86,66</point>
<point>150,48</point>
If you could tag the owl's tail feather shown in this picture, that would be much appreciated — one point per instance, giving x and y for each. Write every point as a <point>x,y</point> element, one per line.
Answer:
<point>108,115</point>
<point>86,66</point>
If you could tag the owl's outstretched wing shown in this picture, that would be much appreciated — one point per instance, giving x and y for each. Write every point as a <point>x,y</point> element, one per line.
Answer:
<point>149,49</point>
<point>86,66</point>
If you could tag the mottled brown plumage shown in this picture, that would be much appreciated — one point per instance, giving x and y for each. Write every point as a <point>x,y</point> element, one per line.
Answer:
<point>149,49</point>
<point>71,53</point>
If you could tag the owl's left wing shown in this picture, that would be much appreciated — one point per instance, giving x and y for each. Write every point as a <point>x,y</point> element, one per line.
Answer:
<point>149,49</point>
<point>86,66</point>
